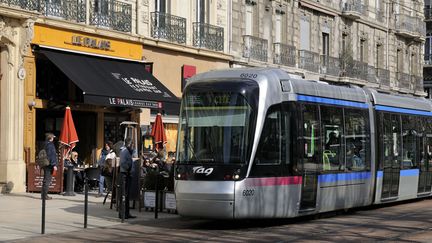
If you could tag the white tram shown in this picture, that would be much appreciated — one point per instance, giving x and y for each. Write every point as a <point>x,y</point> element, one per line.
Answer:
<point>261,143</point>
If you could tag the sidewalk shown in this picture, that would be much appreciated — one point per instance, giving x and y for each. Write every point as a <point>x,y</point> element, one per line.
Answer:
<point>20,215</point>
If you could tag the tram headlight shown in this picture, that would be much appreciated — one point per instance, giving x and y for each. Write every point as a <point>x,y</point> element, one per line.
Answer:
<point>236,177</point>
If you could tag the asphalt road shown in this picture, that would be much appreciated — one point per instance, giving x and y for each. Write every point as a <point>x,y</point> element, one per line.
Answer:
<point>403,222</point>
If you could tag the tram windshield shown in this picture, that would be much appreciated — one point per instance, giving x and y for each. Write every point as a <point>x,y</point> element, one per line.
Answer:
<point>215,128</point>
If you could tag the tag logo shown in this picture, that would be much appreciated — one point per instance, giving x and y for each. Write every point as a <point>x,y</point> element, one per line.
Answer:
<point>202,170</point>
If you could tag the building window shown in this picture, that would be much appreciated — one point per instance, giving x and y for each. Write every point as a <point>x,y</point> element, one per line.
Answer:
<point>203,11</point>
<point>379,56</point>
<point>325,44</point>
<point>399,59</point>
<point>161,6</point>
<point>101,7</point>
<point>304,33</point>
<point>363,47</point>
<point>428,49</point>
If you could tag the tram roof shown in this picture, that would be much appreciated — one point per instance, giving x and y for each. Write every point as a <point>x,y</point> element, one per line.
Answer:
<point>321,89</point>
<point>400,101</point>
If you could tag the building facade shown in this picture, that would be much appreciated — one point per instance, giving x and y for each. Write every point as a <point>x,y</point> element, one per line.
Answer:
<point>369,43</point>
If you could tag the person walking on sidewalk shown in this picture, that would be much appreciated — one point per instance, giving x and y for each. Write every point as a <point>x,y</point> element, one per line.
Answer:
<point>125,177</point>
<point>53,162</point>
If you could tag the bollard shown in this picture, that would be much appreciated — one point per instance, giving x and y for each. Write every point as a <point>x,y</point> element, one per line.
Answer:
<point>85,201</point>
<point>156,209</point>
<point>43,209</point>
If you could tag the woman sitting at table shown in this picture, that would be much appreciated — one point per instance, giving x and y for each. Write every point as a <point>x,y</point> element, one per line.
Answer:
<point>79,178</point>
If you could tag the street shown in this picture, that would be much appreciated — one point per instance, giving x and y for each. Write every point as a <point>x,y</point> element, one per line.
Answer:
<point>411,221</point>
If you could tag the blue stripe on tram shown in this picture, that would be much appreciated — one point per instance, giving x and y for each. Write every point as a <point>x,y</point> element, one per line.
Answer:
<point>411,172</point>
<point>402,110</point>
<point>331,101</point>
<point>327,178</point>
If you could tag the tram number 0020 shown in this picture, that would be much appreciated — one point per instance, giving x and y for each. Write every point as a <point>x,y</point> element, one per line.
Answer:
<point>248,75</point>
<point>248,192</point>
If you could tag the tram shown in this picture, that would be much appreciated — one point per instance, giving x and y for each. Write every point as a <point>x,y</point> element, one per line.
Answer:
<point>262,143</point>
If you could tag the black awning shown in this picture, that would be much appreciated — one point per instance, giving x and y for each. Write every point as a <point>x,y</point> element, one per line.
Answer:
<point>111,82</point>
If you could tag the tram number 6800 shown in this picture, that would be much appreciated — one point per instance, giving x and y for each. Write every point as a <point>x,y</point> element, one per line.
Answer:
<point>248,192</point>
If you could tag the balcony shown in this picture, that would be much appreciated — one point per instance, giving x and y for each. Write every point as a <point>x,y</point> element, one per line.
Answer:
<point>372,76</point>
<point>356,69</point>
<point>72,10</point>
<point>255,48</point>
<point>404,80</point>
<point>32,5</point>
<point>111,14</point>
<point>330,65</point>
<point>309,61</point>
<point>409,27</point>
<point>284,54</point>
<point>353,9</point>
<point>208,36</point>
<point>383,76</point>
<point>417,83</point>
<point>169,27</point>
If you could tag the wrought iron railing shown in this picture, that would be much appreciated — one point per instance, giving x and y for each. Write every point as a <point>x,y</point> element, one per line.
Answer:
<point>404,80</point>
<point>372,74</point>
<point>74,10</point>
<point>32,5</point>
<point>356,69</point>
<point>208,36</point>
<point>168,27</point>
<point>255,48</point>
<point>111,14</point>
<point>383,76</point>
<point>354,6</point>
<point>331,3</point>
<point>309,60</point>
<point>410,24</point>
<point>284,54</point>
<point>330,65</point>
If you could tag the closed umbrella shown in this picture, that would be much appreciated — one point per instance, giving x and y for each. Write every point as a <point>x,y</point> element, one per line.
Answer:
<point>68,135</point>
<point>158,133</point>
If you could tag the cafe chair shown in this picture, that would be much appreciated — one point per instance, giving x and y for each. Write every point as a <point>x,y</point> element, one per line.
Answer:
<point>92,175</point>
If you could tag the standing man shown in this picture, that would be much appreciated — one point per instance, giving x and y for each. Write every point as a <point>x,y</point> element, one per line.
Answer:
<point>125,177</point>
<point>53,161</point>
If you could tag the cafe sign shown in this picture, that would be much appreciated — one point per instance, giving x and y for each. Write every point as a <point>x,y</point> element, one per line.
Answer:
<point>90,42</point>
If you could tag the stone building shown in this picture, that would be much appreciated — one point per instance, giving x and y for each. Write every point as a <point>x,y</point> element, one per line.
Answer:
<point>370,42</point>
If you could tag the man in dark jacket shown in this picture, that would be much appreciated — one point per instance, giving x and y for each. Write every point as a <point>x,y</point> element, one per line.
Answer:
<point>53,162</point>
<point>125,176</point>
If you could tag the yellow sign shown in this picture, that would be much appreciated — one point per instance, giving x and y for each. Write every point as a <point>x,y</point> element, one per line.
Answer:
<point>77,41</point>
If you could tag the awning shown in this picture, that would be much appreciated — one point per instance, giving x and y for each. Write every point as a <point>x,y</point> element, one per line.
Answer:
<point>111,82</point>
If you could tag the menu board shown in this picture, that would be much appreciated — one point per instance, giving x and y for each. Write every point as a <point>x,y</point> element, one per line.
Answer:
<point>35,180</point>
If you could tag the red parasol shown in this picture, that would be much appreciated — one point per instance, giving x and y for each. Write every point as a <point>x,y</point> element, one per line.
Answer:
<point>68,135</point>
<point>158,133</point>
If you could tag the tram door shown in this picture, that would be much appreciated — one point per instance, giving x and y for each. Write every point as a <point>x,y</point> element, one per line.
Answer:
<point>310,141</point>
<point>425,177</point>
<point>390,154</point>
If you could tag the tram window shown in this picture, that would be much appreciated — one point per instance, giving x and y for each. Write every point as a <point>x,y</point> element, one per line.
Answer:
<point>310,137</point>
<point>409,134</point>
<point>391,141</point>
<point>272,154</point>
<point>357,140</point>
<point>332,125</point>
<point>270,149</point>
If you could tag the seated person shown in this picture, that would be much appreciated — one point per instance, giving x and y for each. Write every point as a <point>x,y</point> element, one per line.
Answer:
<point>79,177</point>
